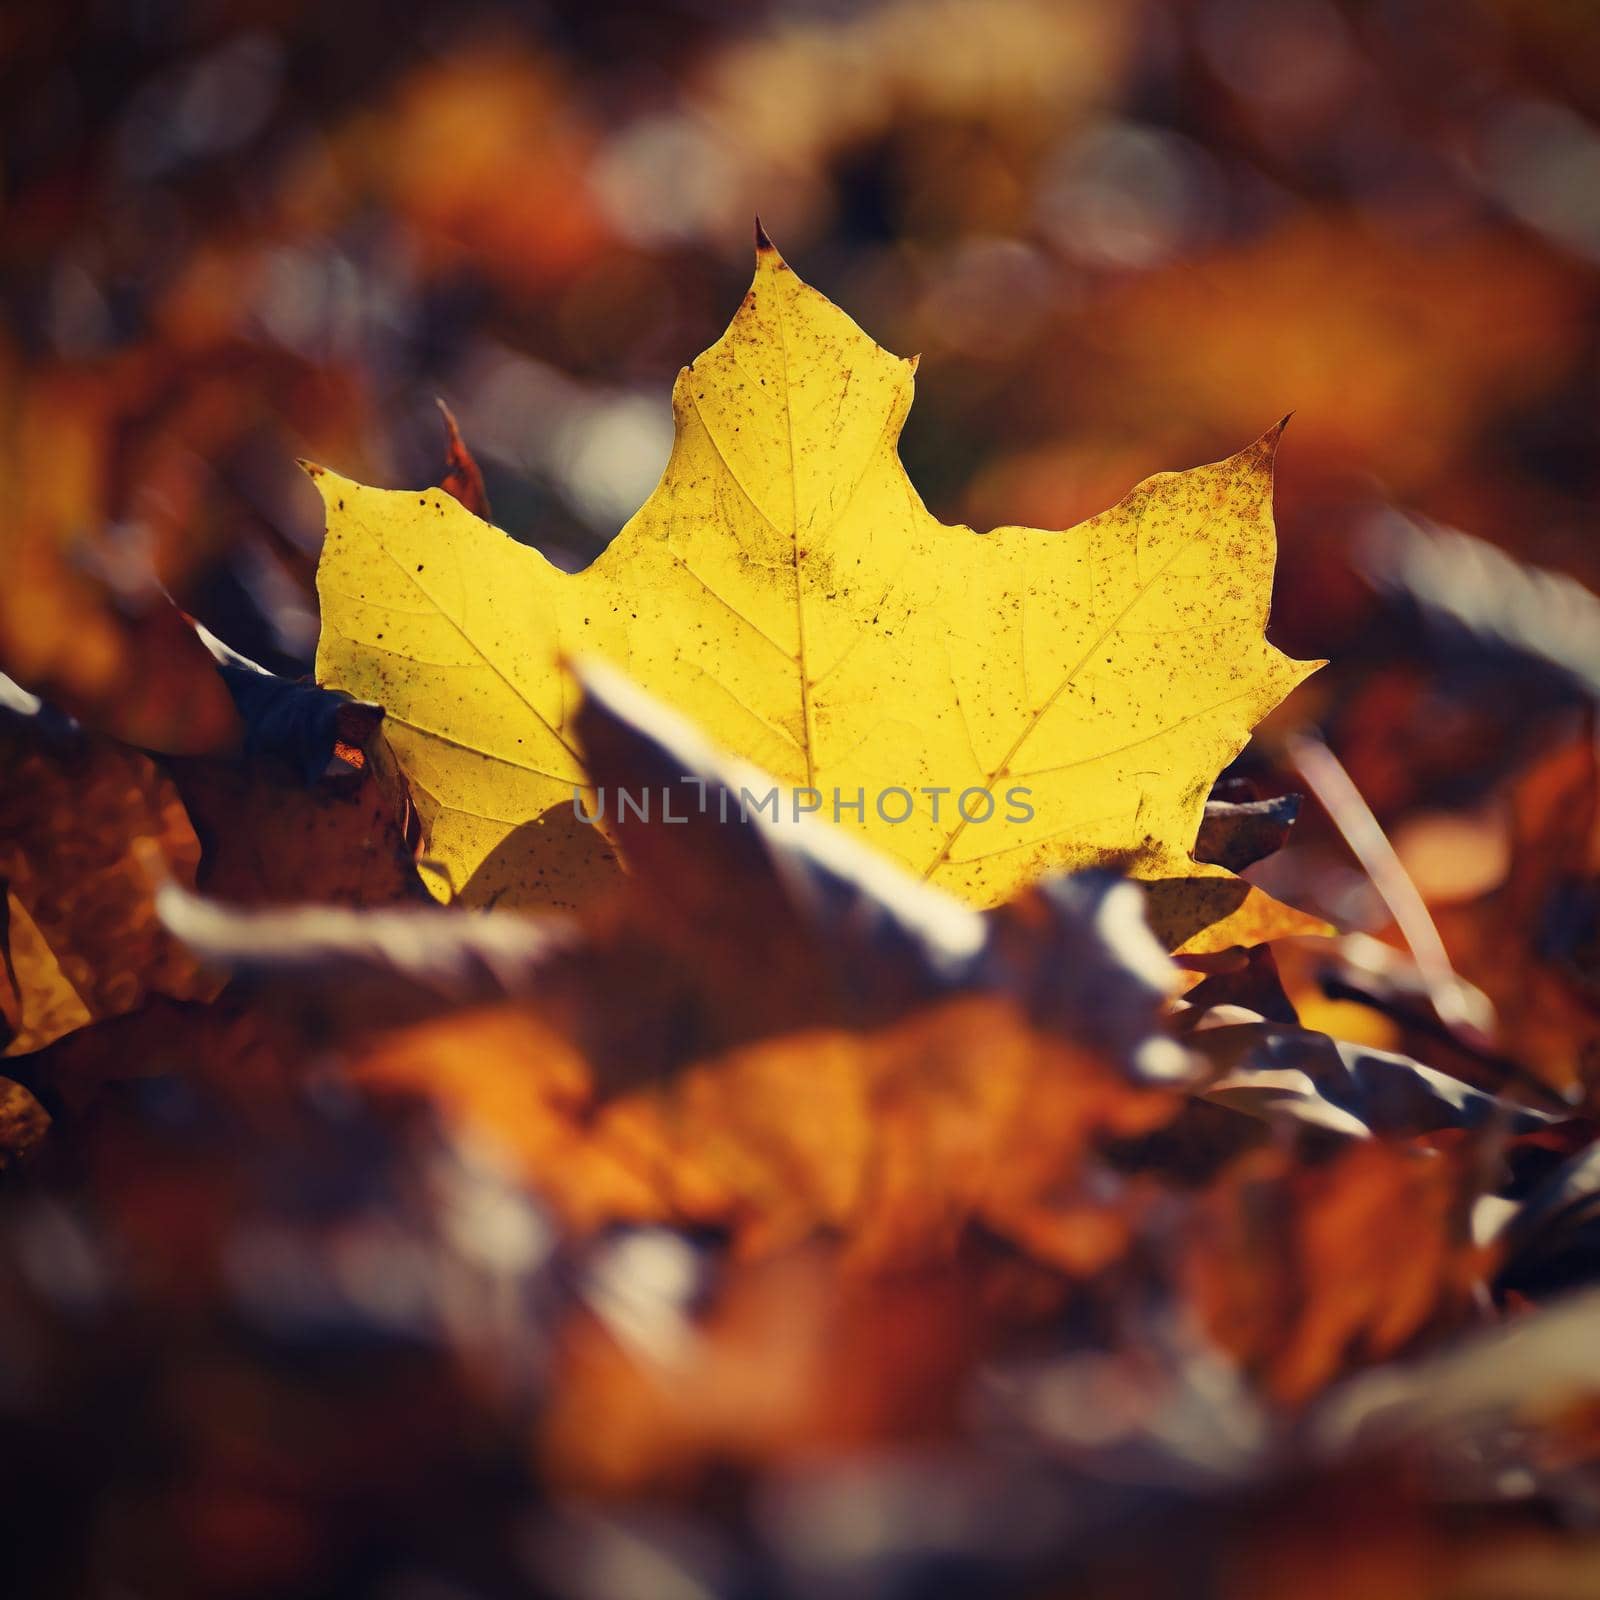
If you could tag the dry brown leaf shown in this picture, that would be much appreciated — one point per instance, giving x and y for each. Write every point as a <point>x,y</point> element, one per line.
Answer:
<point>899,1138</point>
<point>76,812</point>
<point>1529,944</point>
<point>1299,1273</point>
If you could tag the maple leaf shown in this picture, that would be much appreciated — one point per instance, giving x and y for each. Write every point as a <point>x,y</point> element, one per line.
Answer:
<point>786,587</point>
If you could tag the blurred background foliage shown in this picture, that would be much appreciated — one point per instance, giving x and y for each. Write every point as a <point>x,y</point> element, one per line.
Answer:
<point>1125,237</point>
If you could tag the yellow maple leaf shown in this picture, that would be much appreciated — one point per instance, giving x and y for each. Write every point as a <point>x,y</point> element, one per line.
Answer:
<point>984,708</point>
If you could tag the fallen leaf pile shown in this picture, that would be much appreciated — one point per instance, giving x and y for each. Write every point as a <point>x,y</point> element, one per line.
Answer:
<point>427,1172</point>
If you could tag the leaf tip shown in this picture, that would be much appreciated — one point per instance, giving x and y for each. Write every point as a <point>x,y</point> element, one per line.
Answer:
<point>463,478</point>
<point>767,256</point>
<point>1261,454</point>
<point>1267,444</point>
